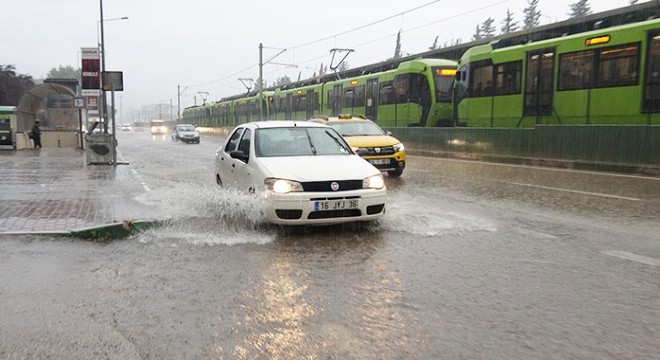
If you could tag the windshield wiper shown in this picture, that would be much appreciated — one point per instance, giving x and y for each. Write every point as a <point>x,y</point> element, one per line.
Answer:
<point>337,141</point>
<point>310,142</point>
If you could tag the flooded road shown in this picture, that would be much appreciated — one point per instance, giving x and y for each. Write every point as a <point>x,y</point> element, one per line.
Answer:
<point>471,261</point>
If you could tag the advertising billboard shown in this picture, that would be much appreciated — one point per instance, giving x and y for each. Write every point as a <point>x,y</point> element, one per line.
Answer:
<point>91,71</point>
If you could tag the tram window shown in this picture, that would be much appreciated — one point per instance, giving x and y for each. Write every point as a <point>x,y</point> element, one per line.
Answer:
<point>507,80</point>
<point>401,88</point>
<point>576,70</point>
<point>349,95</point>
<point>652,87</point>
<point>276,103</point>
<point>299,103</point>
<point>329,104</point>
<point>386,93</point>
<point>359,99</point>
<point>481,80</point>
<point>618,66</point>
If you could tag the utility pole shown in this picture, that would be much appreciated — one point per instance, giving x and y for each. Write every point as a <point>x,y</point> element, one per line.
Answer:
<point>178,103</point>
<point>104,107</point>
<point>171,109</point>
<point>261,81</point>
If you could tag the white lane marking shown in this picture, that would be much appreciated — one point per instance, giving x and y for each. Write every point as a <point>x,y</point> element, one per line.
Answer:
<point>574,191</point>
<point>139,179</point>
<point>633,257</point>
<point>136,174</point>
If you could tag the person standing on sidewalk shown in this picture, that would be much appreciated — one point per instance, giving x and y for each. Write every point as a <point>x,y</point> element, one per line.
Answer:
<point>36,134</point>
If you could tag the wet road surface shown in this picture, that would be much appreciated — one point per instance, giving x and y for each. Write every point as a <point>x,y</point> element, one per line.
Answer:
<point>471,261</point>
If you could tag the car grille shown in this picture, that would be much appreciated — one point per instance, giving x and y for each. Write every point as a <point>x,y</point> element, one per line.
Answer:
<point>375,209</point>
<point>334,214</point>
<point>288,214</point>
<point>323,186</point>
<point>385,150</point>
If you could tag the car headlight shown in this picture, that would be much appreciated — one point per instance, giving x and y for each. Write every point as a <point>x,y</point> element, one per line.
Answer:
<point>374,182</point>
<point>196,133</point>
<point>398,147</point>
<point>282,186</point>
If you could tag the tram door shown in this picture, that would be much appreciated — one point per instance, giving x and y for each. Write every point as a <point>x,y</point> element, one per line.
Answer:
<point>372,99</point>
<point>337,91</point>
<point>288,106</point>
<point>311,103</point>
<point>539,85</point>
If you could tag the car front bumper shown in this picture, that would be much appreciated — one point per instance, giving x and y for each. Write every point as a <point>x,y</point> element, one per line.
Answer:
<point>306,208</point>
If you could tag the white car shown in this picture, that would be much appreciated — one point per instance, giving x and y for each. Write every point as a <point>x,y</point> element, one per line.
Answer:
<point>305,172</point>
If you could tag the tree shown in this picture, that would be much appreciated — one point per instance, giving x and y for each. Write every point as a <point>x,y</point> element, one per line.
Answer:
<point>580,8</point>
<point>488,28</point>
<point>435,44</point>
<point>323,70</point>
<point>284,80</point>
<point>13,85</point>
<point>532,15</point>
<point>397,49</point>
<point>477,34</point>
<point>64,72</point>
<point>508,25</point>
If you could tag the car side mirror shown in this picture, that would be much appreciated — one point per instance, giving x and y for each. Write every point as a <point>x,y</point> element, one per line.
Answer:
<point>389,133</point>
<point>239,155</point>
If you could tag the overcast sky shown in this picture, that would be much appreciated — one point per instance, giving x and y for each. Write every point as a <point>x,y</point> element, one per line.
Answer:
<point>206,45</point>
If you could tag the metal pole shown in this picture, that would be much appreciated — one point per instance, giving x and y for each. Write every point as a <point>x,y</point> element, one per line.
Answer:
<point>178,103</point>
<point>171,109</point>
<point>261,81</point>
<point>114,128</point>
<point>104,108</point>
<point>80,132</point>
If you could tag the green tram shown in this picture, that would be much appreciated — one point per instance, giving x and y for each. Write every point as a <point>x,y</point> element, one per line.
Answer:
<point>416,93</point>
<point>609,76</point>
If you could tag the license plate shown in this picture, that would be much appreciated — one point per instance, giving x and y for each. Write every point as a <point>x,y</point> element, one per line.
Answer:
<point>336,205</point>
<point>379,161</point>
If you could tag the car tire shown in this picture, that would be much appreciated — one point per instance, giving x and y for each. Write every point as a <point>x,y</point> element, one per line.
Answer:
<point>218,180</point>
<point>395,173</point>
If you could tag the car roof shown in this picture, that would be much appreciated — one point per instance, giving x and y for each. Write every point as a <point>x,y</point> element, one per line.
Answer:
<point>186,125</point>
<point>281,123</point>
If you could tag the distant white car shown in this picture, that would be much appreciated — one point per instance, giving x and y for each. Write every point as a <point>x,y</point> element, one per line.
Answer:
<point>305,171</point>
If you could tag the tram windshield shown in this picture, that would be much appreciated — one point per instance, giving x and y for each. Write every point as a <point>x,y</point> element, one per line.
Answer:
<point>443,79</point>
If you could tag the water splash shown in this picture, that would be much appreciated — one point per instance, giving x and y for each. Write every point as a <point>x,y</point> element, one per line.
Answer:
<point>207,215</point>
<point>418,216</point>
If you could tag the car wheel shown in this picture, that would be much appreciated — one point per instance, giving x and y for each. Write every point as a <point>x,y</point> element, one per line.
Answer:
<point>218,180</point>
<point>395,173</point>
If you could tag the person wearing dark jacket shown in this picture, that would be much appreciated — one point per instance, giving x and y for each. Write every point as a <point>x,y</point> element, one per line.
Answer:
<point>36,134</point>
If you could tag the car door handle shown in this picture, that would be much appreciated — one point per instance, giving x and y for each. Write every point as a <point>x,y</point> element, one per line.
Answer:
<point>233,165</point>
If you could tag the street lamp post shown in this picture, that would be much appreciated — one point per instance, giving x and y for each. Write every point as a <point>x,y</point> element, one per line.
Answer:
<point>104,107</point>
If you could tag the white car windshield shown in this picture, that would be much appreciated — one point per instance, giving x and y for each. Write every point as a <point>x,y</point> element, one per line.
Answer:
<point>357,128</point>
<point>299,141</point>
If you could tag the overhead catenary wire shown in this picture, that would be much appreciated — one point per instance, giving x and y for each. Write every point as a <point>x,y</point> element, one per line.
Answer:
<point>361,27</point>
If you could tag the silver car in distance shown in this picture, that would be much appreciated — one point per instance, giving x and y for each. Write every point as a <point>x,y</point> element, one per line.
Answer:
<point>305,172</point>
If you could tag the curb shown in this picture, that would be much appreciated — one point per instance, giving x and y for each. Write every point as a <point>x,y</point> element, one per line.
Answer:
<point>101,233</point>
<point>113,231</point>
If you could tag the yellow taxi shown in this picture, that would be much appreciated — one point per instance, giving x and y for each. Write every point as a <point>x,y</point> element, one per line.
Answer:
<point>368,140</point>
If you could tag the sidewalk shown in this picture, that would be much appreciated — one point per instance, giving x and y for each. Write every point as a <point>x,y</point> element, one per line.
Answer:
<point>52,190</point>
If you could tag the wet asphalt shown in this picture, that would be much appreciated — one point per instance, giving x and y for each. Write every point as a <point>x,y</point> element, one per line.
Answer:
<point>470,261</point>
